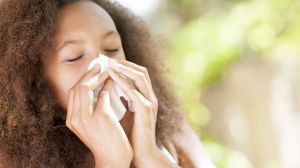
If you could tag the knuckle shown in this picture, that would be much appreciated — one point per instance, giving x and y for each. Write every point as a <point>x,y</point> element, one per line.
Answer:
<point>144,69</point>
<point>68,124</point>
<point>148,105</point>
<point>141,75</point>
<point>75,123</point>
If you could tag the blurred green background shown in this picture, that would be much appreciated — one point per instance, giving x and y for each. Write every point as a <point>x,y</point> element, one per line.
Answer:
<point>235,64</point>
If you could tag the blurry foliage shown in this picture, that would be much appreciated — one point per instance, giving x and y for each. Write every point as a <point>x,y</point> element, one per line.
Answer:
<point>224,158</point>
<point>213,35</point>
<point>179,7</point>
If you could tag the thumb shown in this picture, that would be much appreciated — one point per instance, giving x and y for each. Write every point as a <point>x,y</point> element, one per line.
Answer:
<point>103,103</point>
<point>103,106</point>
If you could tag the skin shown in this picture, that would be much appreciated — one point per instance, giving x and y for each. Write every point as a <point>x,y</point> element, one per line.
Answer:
<point>84,30</point>
<point>90,22</point>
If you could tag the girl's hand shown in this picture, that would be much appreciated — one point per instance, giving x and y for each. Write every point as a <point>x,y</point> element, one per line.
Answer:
<point>97,128</point>
<point>135,81</point>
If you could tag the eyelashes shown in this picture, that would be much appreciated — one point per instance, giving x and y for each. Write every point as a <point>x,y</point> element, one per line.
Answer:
<point>108,51</point>
<point>75,59</point>
<point>112,50</point>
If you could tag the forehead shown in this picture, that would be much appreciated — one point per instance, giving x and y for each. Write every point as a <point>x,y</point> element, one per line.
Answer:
<point>83,16</point>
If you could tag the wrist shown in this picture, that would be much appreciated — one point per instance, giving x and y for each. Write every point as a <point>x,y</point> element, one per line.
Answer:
<point>113,164</point>
<point>100,162</point>
<point>155,159</point>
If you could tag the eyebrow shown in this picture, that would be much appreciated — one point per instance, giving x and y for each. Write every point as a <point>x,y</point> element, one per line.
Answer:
<point>109,33</point>
<point>79,41</point>
<point>70,42</point>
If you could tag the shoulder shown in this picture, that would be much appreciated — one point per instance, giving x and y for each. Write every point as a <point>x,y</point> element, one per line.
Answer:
<point>190,150</point>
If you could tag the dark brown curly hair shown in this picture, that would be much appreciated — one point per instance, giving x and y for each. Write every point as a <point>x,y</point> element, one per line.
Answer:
<point>33,131</point>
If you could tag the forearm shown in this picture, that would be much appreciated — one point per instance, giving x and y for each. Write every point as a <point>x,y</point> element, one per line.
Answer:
<point>99,163</point>
<point>158,160</point>
<point>110,165</point>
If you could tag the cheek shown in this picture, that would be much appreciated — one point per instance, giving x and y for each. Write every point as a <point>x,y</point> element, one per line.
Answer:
<point>63,82</point>
<point>62,93</point>
<point>121,56</point>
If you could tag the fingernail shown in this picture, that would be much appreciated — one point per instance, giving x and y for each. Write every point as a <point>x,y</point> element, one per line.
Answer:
<point>105,92</point>
<point>96,68</point>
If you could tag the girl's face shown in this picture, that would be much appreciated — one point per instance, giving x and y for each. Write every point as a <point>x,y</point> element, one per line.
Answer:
<point>84,30</point>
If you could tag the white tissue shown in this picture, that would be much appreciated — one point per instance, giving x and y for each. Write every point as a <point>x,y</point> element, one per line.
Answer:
<point>116,104</point>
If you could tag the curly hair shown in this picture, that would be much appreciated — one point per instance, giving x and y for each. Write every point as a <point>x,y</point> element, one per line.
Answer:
<point>33,131</point>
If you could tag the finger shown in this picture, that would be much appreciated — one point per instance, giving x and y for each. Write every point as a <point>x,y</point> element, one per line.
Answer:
<point>70,107</point>
<point>124,84</point>
<point>74,119</point>
<point>108,85</point>
<point>136,76</point>
<point>147,105</point>
<point>88,76</point>
<point>140,98</point>
<point>86,106</point>
<point>103,103</point>
<point>103,109</point>
<point>96,80</point>
<point>76,113</point>
<point>137,68</point>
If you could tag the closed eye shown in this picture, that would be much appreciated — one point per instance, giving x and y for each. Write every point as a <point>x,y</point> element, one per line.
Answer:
<point>112,50</point>
<point>75,59</point>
